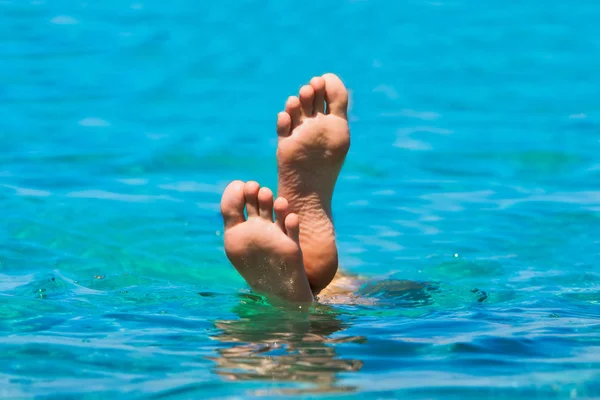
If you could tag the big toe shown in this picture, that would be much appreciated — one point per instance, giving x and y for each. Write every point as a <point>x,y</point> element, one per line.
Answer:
<point>232,204</point>
<point>336,95</point>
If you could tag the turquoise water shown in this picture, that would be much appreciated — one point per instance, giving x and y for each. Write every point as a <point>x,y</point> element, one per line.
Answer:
<point>470,198</point>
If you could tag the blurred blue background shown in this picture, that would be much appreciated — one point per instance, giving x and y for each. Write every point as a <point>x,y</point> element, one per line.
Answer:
<point>474,170</point>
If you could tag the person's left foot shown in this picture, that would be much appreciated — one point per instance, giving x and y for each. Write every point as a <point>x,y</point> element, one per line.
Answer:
<point>312,145</point>
<point>267,254</point>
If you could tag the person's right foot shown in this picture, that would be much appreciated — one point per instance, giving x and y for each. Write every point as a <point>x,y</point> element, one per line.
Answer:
<point>313,143</point>
<point>267,254</point>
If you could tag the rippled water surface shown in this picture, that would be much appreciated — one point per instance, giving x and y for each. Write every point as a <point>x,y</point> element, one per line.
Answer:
<point>470,198</point>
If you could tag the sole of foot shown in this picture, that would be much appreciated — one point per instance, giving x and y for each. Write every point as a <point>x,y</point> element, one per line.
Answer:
<point>314,138</point>
<point>264,251</point>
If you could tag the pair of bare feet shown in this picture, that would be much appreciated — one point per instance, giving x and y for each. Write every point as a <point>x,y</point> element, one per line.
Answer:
<point>293,256</point>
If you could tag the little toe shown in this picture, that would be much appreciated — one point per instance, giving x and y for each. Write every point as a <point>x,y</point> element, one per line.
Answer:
<point>336,95</point>
<point>307,98</point>
<point>265,203</point>
<point>318,85</point>
<point>284,124</point>
<point>292,107</point>
<point>232,204</point>
<point>251,195</point>
<point>292,227</point>
<point>281,211</point>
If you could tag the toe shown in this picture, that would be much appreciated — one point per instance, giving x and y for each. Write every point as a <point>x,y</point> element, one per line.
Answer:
<point>232,204</point>
<point>336,96</point>
<point>292,226</point>
<point>284,124</point>
<point>281,211</point>
<point>251,195</point>
<point>318,85</point>
<point>292,107</point>
<point>265,203</point>
<point>307,98</point>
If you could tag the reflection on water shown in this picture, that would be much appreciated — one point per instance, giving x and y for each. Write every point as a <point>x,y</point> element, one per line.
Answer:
<point>280,345</point>
<point>295,346</point>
